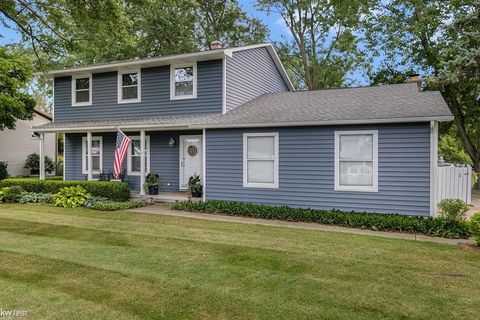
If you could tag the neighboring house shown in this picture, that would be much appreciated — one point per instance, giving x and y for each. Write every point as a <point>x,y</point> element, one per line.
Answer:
<point>16,145</point>
<point>231,116</point>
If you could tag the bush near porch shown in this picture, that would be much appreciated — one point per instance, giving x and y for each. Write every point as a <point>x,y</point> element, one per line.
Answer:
<point>439,226</point>
<point>116,191</point>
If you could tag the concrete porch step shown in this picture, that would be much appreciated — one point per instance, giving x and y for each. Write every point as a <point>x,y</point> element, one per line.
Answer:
<point>164,197</point>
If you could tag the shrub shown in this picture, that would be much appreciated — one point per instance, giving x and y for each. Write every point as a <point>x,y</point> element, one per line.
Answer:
<point>33,163</point>
<point>118,191</point>
<point>35,197</point>
<point>2,193</point>
<point>12,194</point>
<point>91,201</point>
<point>452,210</point>
<point>475,227</point>
<point>373,221</point>
<point>3,170</point>
<point>115,205</point>
<point>71,197</point>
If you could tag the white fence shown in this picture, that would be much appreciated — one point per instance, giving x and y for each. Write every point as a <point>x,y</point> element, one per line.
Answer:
<point>454,182</point>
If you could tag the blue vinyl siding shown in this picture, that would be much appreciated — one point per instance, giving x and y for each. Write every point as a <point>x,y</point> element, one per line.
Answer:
<point>251,73</point>
<point>155,84</point>
<point>306,169</point>
<point>163,159</point>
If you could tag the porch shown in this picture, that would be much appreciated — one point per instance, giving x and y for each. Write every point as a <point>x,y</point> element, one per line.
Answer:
<point>165,197</point>
<point>175,155</point>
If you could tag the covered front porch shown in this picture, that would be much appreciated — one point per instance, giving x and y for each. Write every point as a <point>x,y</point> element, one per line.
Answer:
<point>175,155</point>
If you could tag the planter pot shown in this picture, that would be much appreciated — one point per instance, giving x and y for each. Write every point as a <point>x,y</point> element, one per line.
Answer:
<point>153,190</point>
<point>34,172</point>
<point>196,194</point>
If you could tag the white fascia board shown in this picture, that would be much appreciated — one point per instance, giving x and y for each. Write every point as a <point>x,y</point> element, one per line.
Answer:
<point>139,63</point>
<point>161,127</point>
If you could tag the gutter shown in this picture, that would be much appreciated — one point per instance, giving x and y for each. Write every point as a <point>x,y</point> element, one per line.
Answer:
<point>156,127</point>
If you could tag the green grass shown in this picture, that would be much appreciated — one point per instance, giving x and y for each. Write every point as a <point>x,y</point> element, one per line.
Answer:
<point>81,264</point>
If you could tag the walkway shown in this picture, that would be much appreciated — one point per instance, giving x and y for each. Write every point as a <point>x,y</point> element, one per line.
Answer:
<point>164,209</point>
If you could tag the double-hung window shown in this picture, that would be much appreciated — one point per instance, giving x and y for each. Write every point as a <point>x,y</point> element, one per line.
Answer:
<point>183,81</point>
<point>129,86</point>
<point>260,160</point>
<point>97,155</point>
<point>134,157</point>
<point>356,160</point>
<point>82,90</point>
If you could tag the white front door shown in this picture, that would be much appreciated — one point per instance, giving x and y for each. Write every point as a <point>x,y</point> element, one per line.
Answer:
<point>191,160</point>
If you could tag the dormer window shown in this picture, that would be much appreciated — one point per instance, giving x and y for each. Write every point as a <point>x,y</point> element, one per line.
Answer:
<point>129,86</point>
<point>183,81</point>
<point>82,90</point>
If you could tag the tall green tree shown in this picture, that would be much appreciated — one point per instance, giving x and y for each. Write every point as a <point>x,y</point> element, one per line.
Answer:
<point>443,38</point>
<point>324,43</point>
<point>390,75</point>
<point>15,103</point>
<point>226,21</point>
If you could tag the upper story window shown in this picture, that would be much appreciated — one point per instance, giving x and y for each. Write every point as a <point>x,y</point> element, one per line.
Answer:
<point>129,86</point>
<point>183,81</point>
<point>82,90</point>
<point>260,160</point>
<point>356,160</point>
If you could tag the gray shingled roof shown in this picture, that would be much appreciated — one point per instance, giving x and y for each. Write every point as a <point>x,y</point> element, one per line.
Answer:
<point>387,103</point>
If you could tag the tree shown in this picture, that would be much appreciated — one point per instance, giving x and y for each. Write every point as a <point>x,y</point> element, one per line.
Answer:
<point>15,102</point>
<point>442,37</point>
<point>390,75</point>
<point>227,22</point>
<point>323,47</point>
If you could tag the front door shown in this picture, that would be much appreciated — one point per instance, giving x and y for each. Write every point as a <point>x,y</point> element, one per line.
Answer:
<point>191,160</point>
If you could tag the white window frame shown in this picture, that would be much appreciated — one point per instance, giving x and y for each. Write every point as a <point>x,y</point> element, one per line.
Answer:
<point>84,155</point>
<point>374,186</point>
<point>172,81</point>
<point>120,73</point>
<point>74,90</point>
<point>129,156</point>
<point>275,183</point>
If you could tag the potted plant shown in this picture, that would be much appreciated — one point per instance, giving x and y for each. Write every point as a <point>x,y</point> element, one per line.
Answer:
<point>152,183</point>
<point>195,186</point>
<point>33,164</point>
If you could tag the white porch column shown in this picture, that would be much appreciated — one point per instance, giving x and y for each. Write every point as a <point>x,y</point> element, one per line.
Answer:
<point>41,151</point>
<point>89,156</point>
<point>142,162</point>
<point>204,165</point>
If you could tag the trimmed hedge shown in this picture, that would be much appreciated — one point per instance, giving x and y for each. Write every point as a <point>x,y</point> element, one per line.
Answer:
<point>117,191</point>
<point>114,206</point>
<point>374,221</point>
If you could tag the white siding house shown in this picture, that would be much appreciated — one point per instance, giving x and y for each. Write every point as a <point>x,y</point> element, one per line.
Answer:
<point>16,145</point>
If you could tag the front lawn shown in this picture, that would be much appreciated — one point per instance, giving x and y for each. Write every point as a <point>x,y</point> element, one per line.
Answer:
<point>80,264</point>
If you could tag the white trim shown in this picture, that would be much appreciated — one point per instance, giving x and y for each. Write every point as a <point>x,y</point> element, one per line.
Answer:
<point>41,152</point>
<point>172,80</point>
<point>120,99</point>
<point>204,164</point>
<point>74,90</point>
<point>275,159</point>
<point>129,156</point>
<point>84,155</point>
<point>64,157</point>
<point>136,127</point>
<point>338,187</point>
<point>224,85</point>
<point>180,159</point>
<point>433,167</point>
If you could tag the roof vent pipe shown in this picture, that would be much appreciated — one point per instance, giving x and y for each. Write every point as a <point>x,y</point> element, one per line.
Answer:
<point>216,45</point>
<point>416,78</point>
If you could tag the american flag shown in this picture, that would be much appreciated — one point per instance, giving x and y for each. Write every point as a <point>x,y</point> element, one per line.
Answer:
<point>121,148</point>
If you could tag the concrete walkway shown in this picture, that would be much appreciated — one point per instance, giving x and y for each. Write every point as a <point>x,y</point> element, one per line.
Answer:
<point>163,209</point>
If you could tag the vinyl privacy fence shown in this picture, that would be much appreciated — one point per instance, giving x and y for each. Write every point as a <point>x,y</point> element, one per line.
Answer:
<point>454,182</point>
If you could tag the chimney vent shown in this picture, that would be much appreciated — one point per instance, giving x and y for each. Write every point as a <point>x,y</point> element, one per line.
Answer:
<point>216,45</point>
<point>416,78</point>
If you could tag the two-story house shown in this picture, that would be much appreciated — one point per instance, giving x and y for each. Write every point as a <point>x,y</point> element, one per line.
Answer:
<point>232,116</point>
